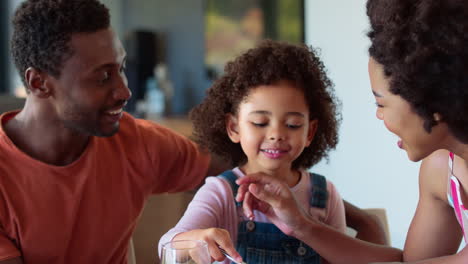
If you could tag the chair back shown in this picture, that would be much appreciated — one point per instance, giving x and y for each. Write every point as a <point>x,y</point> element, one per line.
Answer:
<point>381,214</point>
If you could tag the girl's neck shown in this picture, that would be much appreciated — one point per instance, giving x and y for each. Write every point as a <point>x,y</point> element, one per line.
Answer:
<point>287,175</point>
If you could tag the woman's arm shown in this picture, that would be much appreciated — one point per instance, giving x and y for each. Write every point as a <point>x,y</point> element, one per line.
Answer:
<point>459,258</point>
<point>434,230</point>
<point>338,248</point>
<point>275,200</point>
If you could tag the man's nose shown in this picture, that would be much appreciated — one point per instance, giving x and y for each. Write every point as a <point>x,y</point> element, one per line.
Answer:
<point>121,91</point>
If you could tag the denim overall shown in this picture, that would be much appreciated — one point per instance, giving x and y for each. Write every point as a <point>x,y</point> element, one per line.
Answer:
<point>264,243</point>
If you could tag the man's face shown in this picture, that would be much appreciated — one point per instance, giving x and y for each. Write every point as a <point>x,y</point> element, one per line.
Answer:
<point>92,90</point>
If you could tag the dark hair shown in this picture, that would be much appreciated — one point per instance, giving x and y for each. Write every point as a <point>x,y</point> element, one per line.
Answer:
<point>267,64</point>
<point>422,46</point>
<point>42,30</point>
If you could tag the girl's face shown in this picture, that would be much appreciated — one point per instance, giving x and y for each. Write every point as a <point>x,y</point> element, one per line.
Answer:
<point>400,119</point>
<point>273,127</point>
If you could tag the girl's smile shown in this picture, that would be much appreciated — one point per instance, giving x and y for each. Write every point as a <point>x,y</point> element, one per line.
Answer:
<point>274,153</point>
<point>272,126</point>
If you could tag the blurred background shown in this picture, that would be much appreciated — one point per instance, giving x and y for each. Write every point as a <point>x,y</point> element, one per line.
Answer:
<point>176,48</point>
<point>186,42</point>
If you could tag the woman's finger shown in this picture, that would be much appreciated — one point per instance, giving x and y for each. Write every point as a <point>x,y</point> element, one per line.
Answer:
<point>248,205</point>
<point>241,192</point>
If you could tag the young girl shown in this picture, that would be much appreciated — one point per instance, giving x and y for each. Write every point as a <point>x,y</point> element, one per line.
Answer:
<point>272,112</point>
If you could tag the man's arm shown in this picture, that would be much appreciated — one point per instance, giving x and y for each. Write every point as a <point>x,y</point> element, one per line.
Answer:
<point>368,227</point>
<point>12,261</point>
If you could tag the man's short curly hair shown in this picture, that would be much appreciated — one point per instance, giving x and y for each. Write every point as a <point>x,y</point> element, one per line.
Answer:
<point>423,47</point>
<point>42,31</point>
<point>267,64</point>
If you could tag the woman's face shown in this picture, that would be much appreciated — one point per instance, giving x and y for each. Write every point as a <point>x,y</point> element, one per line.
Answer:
<point>400,119</point>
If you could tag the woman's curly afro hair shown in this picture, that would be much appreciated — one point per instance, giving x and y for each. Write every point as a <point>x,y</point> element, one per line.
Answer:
<point>423,47</point>
<point>42,30</point>
<point>267,64</point>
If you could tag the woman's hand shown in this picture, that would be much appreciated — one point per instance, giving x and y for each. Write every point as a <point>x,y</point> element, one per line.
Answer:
<point>274,199</point>
<point>215,238</point>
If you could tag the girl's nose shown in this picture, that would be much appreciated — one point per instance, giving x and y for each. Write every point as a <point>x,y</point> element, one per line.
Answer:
<point>276,134</point>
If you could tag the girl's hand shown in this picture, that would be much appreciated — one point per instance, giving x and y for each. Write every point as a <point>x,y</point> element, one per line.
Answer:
<point>215,238</point>
<point>274,199</point>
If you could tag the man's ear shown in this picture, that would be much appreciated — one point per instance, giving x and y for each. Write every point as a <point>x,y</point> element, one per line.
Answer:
<point>37,83</point>
<point>313,124</point>
<point>232,128</point>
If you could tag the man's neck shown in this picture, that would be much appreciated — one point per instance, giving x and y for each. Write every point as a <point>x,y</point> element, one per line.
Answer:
<point>45,139</point>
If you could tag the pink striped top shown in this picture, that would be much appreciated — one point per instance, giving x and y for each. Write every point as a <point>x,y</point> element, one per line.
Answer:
<point>454,199</point>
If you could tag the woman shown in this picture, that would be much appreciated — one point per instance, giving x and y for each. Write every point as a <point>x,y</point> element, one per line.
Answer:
<point>417,67</point>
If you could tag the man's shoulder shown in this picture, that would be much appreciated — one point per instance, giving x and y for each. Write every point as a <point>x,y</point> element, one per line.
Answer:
<point>135,126</point>
<point>147,134</point>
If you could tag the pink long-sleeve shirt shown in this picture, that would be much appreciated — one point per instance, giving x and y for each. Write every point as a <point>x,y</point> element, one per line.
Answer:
<point>214,206</point>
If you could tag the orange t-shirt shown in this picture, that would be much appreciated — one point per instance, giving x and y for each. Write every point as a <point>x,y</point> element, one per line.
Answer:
<point>86,212</point>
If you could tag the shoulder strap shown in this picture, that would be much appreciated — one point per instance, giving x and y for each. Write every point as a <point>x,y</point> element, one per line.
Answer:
<point>231,178</point>
<point>319,191</point>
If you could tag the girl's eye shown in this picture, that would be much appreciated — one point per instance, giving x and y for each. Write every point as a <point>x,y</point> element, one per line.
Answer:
<point>259,124</point>
<point>292,126</point>
<point>378,105</point>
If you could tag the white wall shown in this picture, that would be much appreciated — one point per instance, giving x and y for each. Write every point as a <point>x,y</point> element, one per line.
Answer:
<point>367,166</point>
<point>116,13</point>
<point>16,84</point>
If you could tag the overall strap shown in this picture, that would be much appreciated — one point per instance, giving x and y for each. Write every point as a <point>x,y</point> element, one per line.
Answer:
<point>231,178</point>
<point>319,191</point>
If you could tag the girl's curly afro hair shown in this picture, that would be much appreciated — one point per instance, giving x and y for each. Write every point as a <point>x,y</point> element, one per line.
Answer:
<point>267,64</point>
<point>423,47</point>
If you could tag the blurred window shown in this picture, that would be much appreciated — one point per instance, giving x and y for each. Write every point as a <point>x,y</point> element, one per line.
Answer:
<point>4,72</point>
<point>233,26</point>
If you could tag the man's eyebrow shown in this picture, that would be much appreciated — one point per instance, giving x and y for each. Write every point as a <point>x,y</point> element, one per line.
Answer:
<point>104,66</point>
<point>109,65</point>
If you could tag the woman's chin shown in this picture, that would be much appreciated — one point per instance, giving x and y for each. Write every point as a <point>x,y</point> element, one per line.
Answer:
<point>415,157</point>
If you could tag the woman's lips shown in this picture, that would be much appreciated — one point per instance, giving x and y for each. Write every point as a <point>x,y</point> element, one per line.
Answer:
<point>400,143</point>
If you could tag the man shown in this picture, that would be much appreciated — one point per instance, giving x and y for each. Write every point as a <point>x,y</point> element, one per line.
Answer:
<point>75,170</point>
